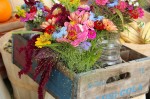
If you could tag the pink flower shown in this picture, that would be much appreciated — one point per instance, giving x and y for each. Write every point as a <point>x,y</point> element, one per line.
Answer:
<point>122,6</point>
<point>91,34</point>
<point>101,2</point>
<point>76,34</point>
<point>140,12</point>
<point>84,7</point>
<point>109,25</point>
<point>89,24</point>
<point>78,17</point>
<point>29,16</point>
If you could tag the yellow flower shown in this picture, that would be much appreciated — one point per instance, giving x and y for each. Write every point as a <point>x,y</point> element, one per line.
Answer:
<point>21,12</point>
<point>43,40</point>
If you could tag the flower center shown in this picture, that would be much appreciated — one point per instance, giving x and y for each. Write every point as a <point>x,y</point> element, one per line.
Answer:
<point>72,35</point>
<point>73,23</point>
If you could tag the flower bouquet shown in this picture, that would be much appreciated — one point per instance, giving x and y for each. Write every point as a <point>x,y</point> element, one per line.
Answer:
<point>72,33</point>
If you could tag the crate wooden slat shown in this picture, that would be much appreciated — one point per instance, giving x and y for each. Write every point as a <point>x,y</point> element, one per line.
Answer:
<point>93,84</point>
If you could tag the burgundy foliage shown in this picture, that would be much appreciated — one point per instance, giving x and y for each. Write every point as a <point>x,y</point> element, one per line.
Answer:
<point>46,59</point>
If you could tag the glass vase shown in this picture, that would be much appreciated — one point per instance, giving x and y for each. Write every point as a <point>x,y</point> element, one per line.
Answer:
<point>111,50</point>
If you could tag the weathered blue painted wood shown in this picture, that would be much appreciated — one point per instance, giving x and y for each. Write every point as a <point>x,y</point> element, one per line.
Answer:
<point>60,85</point>
<point>93,84</point>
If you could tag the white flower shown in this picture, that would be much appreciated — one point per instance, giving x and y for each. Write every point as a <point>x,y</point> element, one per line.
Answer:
<point>136,4</point>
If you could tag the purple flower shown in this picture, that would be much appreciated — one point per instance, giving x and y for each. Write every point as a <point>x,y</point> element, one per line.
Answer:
<point>85,45</point>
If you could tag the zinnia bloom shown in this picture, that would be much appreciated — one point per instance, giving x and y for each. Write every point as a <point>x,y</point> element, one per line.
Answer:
<point>99,25</point>
<point>43,40</point>
<point>101,2</point>
<point>109,25</point>
<point>50,29</point>
<point>122,6</point>
<point>91,34</point>
<point>76,34</point>
<point>79,17</point>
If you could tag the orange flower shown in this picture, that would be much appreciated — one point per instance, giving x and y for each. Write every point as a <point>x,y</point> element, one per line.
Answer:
<point>109,25</point>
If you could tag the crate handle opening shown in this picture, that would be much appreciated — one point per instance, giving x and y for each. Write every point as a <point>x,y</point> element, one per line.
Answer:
<point>118,77</point>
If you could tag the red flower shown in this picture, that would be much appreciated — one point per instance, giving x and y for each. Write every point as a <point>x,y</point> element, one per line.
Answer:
<point>50,29</point>
<point>138,12</point>
<point>33,9</point>
<point>133,14</point>
<point>99,25</point>
<point>17,16</point>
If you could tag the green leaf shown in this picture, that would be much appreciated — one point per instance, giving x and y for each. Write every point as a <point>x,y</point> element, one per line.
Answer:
<point>120,15</point>
<point>26,32</point>
<point>54,45</point>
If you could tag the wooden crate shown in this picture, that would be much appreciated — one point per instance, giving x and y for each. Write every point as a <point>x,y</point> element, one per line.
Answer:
<point>134,74</point>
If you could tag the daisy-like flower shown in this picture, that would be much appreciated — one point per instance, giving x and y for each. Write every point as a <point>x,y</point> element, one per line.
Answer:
<point>48,22</point>
<point>43,40</point>
<point>99,25</point>
<point>109,25</point>
<point>79,17</point>
<point>76,34</point>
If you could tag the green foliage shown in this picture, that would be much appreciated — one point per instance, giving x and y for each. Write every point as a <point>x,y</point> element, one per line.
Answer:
<point>144,3</point>
<point>71,5</point>
<point>77,59</point>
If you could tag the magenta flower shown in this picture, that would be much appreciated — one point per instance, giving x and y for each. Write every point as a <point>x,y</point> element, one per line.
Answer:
<point>101,2</point>
<point>29,16</point>
<point>140,12</point>
<point>91,34</point>
<point>122,6</point>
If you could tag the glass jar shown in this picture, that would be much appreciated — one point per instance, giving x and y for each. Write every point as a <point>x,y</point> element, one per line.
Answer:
<point>111,50</point>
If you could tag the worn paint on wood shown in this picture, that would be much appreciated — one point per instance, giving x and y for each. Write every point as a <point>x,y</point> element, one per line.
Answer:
<point>95,84</point>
